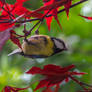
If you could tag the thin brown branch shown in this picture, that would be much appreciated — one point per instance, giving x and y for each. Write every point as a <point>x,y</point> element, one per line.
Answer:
<point>40,21</point>
<point>73,5</point>
<point>77,3</point>
<point>78,82</point>
<point>80,2</point>
<point>29,32</point>
<point>46,15</point>
<point>35,19</point>
<point>21,21</point>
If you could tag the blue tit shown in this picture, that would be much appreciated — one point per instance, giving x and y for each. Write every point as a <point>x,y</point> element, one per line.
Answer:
<point>40,46</point>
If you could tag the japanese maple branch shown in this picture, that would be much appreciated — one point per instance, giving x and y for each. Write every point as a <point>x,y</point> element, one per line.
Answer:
<point>46,15</point>
<point>30,20</point>
<point>70,6</point>
<point>80,83</point>
<point>39,22</point>
<point>80,2</point>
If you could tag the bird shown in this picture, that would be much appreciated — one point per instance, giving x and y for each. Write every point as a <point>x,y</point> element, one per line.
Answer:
<point>40,46</point>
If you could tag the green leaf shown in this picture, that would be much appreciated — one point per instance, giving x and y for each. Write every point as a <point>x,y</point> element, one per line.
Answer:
<point>10,1</point>
<point>33,4</point>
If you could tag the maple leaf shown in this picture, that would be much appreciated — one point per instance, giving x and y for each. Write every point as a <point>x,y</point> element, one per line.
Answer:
<point>6,18</point>
<point>5,25</point>
<point>14,38</point>
<point>89,18</point>
<point>19,10</point>
<point>50,6</point>
<point>54,75</point>
<point>8,14</point>
<point>12,89</point>
<point>48,19</point>
<point>9,11</point>
<point>67,6</point>
<point>54,10</point>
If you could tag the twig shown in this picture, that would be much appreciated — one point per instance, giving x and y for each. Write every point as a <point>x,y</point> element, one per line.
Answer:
<point>29,32</point>
<point>35,19</point>
<point>47,16</point>
<point>80,2</point>
<point>80,83</point>
<point>40,21</point>
<point>52,15</point>
<point>21,21</point>
<point>70,6</point>
<point>73,5</point>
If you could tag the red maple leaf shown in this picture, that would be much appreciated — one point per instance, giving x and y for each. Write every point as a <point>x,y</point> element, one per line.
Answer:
<point>9,11</point>
<point>12,89</point>
<point>54,75</point>
<point>67,6</point>
<point>54,10</point>
<point>48,19</point>
<point>5,16</point>
<point>19,10</point>
<point>14,38</point>
<point>50,7</point>
<point>89,18</point>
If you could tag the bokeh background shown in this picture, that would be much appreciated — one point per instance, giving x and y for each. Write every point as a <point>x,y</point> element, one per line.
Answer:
<point>77,33</point>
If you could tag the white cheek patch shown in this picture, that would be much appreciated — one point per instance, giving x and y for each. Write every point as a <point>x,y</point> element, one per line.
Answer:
<point>58,44</point>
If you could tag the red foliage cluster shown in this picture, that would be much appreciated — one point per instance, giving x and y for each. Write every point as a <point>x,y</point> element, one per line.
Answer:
<point>89,18</point>
<point>14,38</point>
<point>9,11</point>
<point>13,89</point>
<point>54,75</point>
<point>8,17</point>
<point>54,11</point>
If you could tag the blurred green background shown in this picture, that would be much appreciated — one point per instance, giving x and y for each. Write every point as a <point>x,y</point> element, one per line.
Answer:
<point>78,37</point>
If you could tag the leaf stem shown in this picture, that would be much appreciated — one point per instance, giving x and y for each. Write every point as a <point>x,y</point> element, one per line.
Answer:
<point>77,3</point>
<point>80,83</point>
<point>35,19</point>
